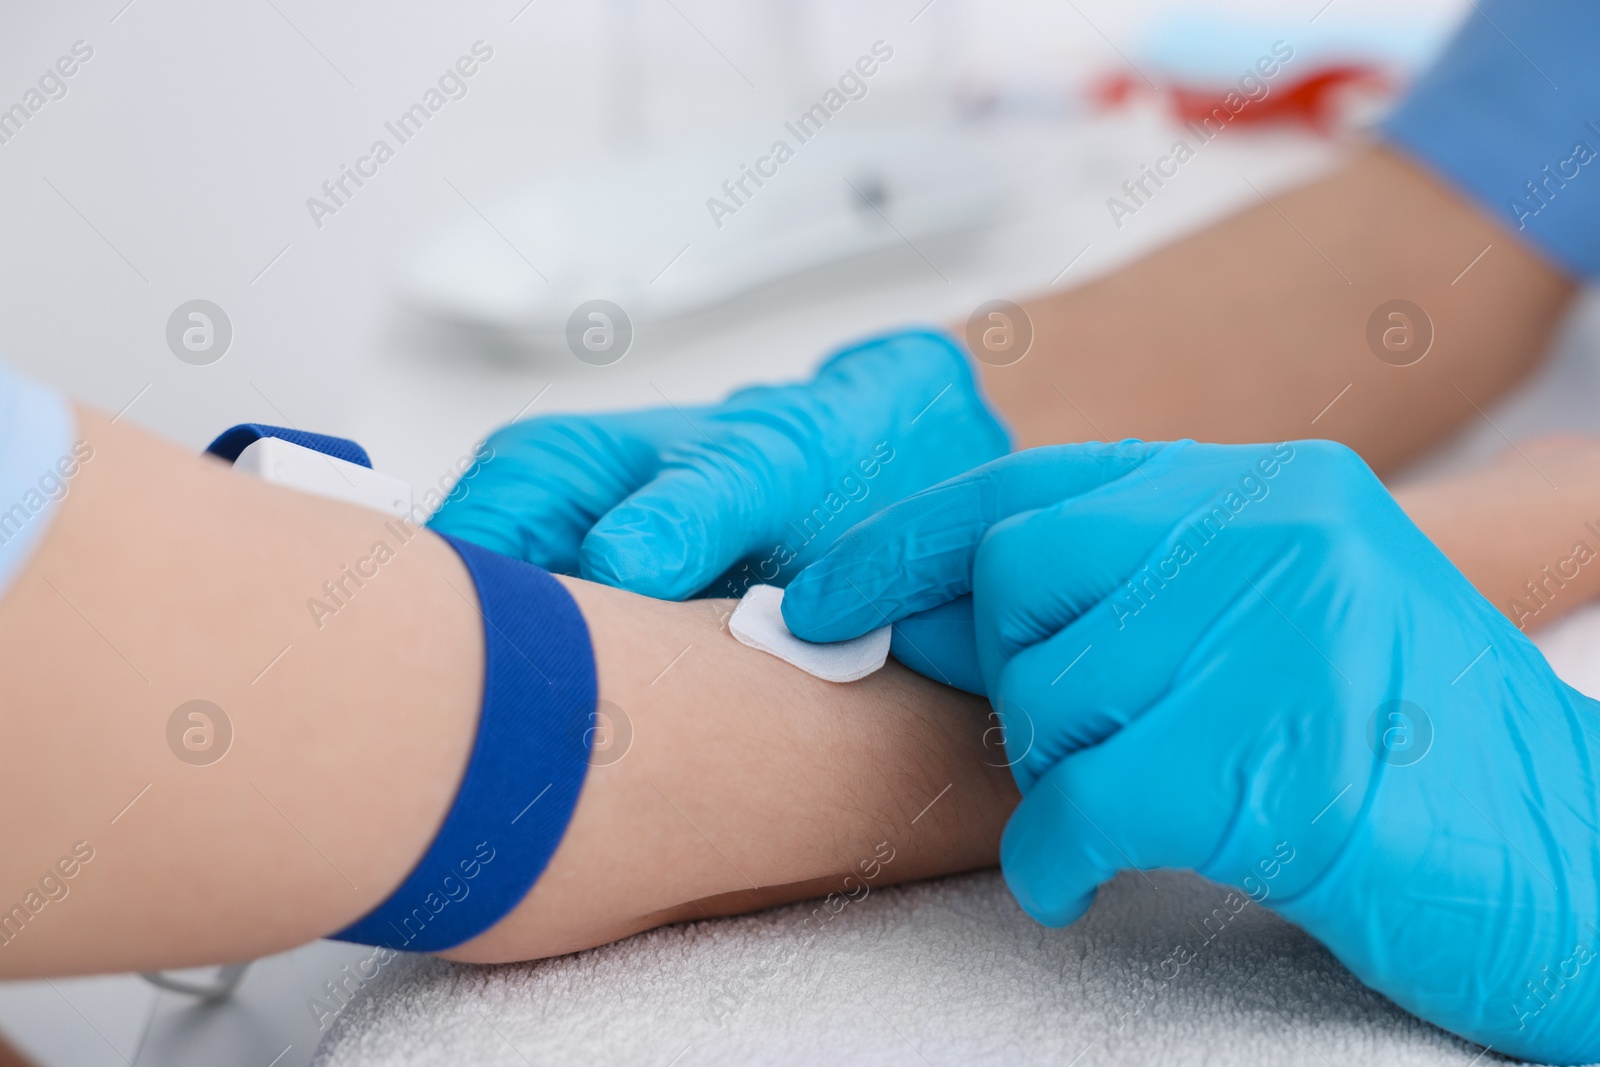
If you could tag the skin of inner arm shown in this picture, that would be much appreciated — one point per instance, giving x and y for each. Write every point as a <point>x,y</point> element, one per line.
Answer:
<point>749,783</point>
<point>167,577</point>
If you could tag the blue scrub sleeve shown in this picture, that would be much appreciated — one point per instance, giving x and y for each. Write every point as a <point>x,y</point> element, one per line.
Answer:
<point>38,461</point>
<point>1510,114</point>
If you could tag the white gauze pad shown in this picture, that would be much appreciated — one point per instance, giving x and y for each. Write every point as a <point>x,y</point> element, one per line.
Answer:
<point>758,622</point>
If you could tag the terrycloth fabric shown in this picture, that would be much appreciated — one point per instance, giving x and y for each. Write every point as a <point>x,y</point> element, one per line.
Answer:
<point>947,972</point>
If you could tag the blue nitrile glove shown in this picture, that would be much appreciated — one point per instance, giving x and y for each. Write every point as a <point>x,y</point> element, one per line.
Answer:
<point>912,565</point>
<point>665,501</point>
<point>1248,662</point>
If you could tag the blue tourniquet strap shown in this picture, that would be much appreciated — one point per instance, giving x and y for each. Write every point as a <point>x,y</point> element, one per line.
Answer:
<point>528,761</point>
<point>525,772</point>
<point>232,441</point>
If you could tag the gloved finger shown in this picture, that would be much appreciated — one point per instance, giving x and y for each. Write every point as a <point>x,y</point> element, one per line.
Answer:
<point>1141,598</point>
<point>539,485</point>
<point>1037,571</point>
<point>918,553</point>
<point>941,643</point>
<point>714,502</point>
<point>1152,796</point>
<point>1043,570</point>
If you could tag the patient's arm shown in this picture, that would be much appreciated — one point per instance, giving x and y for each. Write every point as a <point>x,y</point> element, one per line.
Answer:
<point>167,578</point>
<point>750,782</point>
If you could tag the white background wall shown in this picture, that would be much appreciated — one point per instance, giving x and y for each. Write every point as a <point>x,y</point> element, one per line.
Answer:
<point>179,164</point>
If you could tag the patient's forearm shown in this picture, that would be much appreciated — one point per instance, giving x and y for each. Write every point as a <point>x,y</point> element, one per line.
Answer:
<point>1255,328</point>
<point>748,782</point>
<point>167,578</point>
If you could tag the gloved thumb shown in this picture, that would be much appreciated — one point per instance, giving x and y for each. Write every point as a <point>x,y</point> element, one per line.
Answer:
<point>941,643</point>
<point>918,553</point>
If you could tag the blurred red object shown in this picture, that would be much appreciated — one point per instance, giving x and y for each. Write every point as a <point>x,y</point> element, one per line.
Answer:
<point>1316,100</point>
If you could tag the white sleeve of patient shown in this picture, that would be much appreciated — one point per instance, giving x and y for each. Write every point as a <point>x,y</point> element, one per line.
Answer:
<point>758,622</point>
<point>38,460</point>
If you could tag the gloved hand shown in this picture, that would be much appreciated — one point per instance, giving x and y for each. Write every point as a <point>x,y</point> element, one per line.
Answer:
<point>912,565</point>
<point>1248,662</point>
<point>665,501</point>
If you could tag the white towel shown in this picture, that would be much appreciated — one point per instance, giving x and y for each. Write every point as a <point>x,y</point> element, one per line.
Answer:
<point>946,972</point>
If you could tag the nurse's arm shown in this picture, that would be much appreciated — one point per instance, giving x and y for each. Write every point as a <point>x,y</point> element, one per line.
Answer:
<point>1256,328</point>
